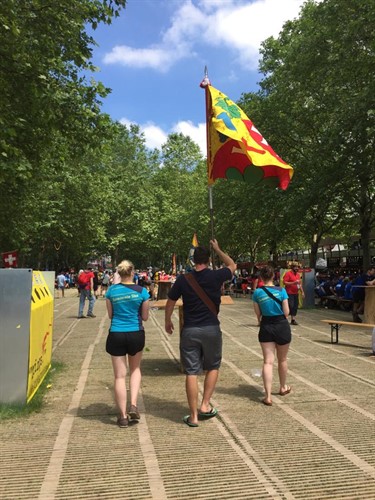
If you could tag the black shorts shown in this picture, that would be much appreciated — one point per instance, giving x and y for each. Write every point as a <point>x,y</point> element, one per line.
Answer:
<point>275,329</point>
<point>122,343</point>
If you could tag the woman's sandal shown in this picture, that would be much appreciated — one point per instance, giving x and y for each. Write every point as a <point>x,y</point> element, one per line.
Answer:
<point>284,393</point>
<point>267,403</point>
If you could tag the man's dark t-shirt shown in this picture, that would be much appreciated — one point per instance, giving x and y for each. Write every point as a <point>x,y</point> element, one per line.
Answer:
<point>196,313</point>
<point>359,293</point>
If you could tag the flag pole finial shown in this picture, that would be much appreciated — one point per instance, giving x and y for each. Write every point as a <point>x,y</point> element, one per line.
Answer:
<point>206,81</point>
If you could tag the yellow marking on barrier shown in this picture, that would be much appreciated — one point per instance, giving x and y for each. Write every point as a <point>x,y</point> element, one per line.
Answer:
<point>41,321</point>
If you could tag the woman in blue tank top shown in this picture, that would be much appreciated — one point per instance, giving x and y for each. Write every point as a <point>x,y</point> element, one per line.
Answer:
<point>127,306</point>
<point>272,310</point>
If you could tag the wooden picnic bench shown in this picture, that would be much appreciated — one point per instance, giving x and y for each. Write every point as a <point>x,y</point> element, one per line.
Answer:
<point>332,300</point>
<point>336,325</point>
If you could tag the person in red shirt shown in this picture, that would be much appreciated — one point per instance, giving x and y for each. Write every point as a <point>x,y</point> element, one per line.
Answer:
<point>86,285</point>
<point>293,284</point>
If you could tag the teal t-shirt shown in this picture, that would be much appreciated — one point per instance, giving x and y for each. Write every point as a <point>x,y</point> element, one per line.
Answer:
<point>126,302</point>
<point>268,306</point>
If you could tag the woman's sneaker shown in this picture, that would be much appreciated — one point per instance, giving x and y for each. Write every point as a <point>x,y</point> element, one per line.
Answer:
<point>133,413</point>
<point>122,422</point>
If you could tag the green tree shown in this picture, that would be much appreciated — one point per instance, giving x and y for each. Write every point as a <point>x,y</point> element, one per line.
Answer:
<point>50,123</point>
<point>319,87</point>
<point>44,49</point>
<point>180,186</point>
<point>127,196</point>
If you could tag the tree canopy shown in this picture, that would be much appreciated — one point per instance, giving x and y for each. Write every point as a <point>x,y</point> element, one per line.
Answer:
<point>77,185</point>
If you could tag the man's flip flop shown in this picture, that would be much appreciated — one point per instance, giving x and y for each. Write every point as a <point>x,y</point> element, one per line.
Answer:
<point>208,414</point>
<point>187,421</point>
<point>267,403</point>
<point>284,393</point>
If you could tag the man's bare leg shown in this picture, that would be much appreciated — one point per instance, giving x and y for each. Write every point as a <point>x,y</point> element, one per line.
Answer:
<point>191,384</point>
<point>209,387</point>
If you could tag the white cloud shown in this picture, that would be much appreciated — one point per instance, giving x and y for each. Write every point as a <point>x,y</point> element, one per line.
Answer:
<point>138,58</point>
<point>236,25</point>
<point>196,132</point>
<point>155,136</point>
<point>243,28</point>
<point>209,5</point>
<point>175,44</point>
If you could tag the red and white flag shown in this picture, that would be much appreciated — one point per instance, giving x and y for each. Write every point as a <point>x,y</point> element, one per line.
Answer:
<point>10,258</point>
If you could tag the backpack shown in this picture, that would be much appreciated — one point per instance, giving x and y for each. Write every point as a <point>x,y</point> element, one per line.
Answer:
<point>83,280</point>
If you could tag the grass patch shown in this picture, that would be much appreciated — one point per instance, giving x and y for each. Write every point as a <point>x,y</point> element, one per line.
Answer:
<point>9,411</point>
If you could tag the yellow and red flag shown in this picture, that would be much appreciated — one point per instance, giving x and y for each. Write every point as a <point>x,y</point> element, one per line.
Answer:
<point>236,149</point>
<point>194,245</point>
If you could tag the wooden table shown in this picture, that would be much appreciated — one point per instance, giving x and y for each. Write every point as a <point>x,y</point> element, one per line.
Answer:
<point>369,306</point>
<point>163,288</point>
<point>225,300</point>
<point>369,312</point>
<point>336,324</point>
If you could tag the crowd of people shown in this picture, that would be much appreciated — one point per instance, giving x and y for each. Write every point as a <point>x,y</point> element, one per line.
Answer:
<point>93,284</point>
<point>105,278</point>
<point>349,288</point>
<point>245,282</point>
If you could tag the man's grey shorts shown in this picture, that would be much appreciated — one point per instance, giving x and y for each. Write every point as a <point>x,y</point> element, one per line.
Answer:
<point>201,348</point>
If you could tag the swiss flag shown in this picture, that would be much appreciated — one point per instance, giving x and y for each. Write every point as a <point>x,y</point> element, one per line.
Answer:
<point>10,258</point>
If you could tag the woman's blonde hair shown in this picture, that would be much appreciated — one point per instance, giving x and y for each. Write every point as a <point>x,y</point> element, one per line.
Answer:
<point>125,268</point>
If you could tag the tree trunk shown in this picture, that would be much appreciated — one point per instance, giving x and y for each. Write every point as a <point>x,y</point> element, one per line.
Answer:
<point>273,251</point>
<point>313,253</point>
<point>114,258</point>
<point>365,243</point>
<point>365,214</point>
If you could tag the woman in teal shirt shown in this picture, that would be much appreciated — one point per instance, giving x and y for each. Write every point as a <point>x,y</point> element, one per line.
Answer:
<point>272,310</point>
<point>127,306</point>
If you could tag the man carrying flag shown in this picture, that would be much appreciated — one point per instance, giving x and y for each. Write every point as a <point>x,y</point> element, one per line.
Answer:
<point>201,338</point>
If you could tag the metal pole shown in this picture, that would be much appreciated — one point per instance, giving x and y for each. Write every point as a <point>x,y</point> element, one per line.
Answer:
<point>211,212</point>
<point>204,84</point>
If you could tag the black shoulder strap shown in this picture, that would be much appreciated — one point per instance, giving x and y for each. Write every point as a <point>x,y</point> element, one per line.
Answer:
<point>271,295</point>
<point>200,292</point>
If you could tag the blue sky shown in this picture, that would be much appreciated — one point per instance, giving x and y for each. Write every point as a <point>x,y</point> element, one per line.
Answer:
<point>153,58</point>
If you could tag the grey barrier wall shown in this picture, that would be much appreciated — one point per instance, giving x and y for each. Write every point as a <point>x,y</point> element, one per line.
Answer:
<point>49,276</point>
<point>15,312</point>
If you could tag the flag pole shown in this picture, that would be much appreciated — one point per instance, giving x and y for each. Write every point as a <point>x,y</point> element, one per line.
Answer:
<point>204,84</point>
<point>211,205</point>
